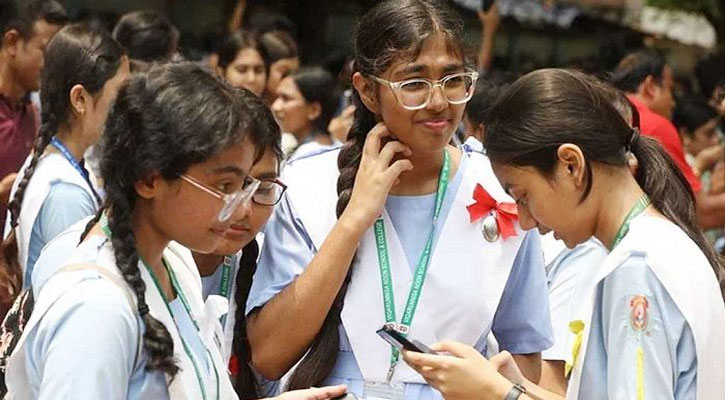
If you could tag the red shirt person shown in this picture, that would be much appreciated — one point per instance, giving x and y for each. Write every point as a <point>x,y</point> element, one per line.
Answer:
<point>646,79</point>
<point>26,27</point>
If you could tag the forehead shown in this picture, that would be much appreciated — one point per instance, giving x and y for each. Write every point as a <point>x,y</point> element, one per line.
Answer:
<point>437,55</point>
<point>249,56</point>
<point>514,178</point>
<point>43,31</point>
<point>287,86</point>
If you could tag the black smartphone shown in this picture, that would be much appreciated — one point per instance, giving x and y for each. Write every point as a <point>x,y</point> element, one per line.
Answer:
<point>397,340</point>
<point>486,5</point>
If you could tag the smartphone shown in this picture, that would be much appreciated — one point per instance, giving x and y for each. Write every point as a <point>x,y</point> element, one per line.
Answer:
<point>486,5</point>
<point>397,340</point>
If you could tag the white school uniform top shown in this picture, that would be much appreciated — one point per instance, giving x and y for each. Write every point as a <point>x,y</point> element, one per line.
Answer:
<point>568,274</point>
<point>654,320</point>
<point>60,358</point>
<point>463,294</point>
<point>52,170</point>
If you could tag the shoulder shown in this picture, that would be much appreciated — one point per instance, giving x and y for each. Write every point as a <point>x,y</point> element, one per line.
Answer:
<point>314,157</point>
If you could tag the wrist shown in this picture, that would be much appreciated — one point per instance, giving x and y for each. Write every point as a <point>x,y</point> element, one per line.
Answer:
<point>353,223</point>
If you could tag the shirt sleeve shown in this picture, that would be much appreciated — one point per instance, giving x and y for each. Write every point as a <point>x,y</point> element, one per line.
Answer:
<point>287,250</point>
<point>568,273</point>
<point>522,323</point>
<point>66,362</point>
<point>650,347</point>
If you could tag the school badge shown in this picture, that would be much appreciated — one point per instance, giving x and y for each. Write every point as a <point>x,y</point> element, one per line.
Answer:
<point>498,217</point>
<point>638,316</point>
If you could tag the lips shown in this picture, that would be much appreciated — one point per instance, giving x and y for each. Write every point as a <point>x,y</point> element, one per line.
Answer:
<point>436,124</point>
<point>236,231</point>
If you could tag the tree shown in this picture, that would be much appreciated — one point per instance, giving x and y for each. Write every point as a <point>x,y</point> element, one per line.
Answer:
<point>711,9</point>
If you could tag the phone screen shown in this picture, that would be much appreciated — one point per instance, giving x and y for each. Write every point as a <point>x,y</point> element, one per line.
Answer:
<point>400,342</point>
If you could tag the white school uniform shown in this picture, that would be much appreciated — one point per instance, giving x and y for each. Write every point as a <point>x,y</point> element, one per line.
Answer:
<point>464,285</point>
<point>660,337</point>
<point>52,168</point>
<point>116,374</point>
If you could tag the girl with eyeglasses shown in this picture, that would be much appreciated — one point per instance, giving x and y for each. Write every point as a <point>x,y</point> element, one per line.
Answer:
<point>124,318</point>
<point>380,232</point>
<point>649,322</point>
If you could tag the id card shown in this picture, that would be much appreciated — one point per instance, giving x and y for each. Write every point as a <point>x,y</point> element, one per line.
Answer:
<point>384,391</point>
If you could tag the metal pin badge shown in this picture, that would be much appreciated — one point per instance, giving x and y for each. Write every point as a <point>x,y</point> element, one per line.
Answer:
<point>489,228</point>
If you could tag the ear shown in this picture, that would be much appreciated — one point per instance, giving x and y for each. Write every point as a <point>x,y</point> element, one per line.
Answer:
<point>149,187</point>
<point>649,87</point>
<point>572,164</point>
<point>314,110</point>
<point>79,100</point>
<point>10,40</point>
<point>366,89</point>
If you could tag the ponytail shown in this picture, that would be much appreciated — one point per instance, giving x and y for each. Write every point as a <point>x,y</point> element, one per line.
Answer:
<point>670,193</point>
<point>321,358</point>
<point>246,383</point>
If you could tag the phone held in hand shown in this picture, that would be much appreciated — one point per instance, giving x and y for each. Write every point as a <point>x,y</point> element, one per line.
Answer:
<point>486,5</point>
<point>400,342</point>
<point>346,396</point>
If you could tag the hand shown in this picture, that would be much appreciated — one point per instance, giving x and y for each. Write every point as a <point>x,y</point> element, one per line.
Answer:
<point>717,179</point>
<point>707,158</point>
<point>340,125</point>
<point>6,185</point>
<point>376,176</point>
<point>327,392</point>
<point>465,374</point>
<point>490,19</point>
<point>505,364</point>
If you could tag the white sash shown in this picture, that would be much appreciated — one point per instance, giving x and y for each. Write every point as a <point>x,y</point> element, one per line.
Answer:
<point>688,278</point>
<point>185,385</point>
<point>52,167</point>
<point>464,282</point>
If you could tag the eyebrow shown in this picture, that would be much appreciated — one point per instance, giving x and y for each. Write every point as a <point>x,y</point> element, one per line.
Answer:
<point>267,175</point>
<point>418,68</point>
<point>229,169</point>
<point>452,67</point>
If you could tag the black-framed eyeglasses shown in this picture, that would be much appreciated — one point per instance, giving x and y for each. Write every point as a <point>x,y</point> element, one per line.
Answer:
<point>415,94</point>
<point>269,192</point>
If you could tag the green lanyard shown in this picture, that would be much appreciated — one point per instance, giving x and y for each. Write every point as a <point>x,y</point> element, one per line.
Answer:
<point>224,286</point>
<point>636,209</point>
<point>180,293</point>
<point>420,271</point>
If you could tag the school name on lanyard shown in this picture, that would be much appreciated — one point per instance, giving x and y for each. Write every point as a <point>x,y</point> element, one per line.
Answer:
<point>420,272</point>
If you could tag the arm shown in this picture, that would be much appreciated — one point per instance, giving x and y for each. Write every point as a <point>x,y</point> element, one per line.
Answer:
<point>710,209</point>
<point>490,21</point>
<point>282,330</point>
<point>552,376</point>
<point>235,21</point>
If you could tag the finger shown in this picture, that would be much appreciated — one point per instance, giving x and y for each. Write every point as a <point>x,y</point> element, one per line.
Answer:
<point>457,349</point>
<point>330,391</point>
<point>372,142</point>
<point>348,111</point>
<point>391,149</point>
<point>502,358</point>
<point>425,362</point>
<point>397,168</point>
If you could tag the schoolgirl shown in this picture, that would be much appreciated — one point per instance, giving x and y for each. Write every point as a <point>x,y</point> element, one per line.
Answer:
<point>306,101</point>
<point>83,70</point>
<point>126,320</point>
<point>398,196</point>
<point>650,324</point>
<point>282,57</point>
<point>243,62</point>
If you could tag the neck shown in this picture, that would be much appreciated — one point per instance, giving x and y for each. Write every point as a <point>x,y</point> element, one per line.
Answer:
<point>72,141</point>
<point>423,178</point>
<point>150,243</point>
<point>302,134</point>
<point>622,192</point>
<point>9,86</point>
<point>207,263</point>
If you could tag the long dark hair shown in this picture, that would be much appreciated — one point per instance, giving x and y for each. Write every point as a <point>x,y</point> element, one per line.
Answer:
<point>146,36</point>
<point>266,136</point>
<point>238,41</point>
<point>317,85</point>
<point>547,108</point>
<point>391,31</point>
<point>164,121</point>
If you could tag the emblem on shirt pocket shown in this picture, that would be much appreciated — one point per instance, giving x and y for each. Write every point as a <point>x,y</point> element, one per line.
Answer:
<point>639,316</point>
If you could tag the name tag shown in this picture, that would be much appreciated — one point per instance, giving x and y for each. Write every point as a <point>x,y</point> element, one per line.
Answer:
<point>384,391</point>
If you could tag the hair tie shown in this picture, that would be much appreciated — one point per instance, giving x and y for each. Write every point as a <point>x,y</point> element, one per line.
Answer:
<point>633,139</point>
<point>143,309</point>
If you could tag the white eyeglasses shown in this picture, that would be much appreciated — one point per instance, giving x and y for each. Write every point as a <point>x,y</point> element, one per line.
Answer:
<point>231,200</point>
<point>415,94</point>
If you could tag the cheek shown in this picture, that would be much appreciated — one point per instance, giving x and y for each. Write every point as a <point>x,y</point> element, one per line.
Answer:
<point>259,217</point>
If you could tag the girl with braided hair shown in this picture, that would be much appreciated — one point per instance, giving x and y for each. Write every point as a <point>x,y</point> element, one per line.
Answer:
<point>383,227</point>
<point>83,70</point>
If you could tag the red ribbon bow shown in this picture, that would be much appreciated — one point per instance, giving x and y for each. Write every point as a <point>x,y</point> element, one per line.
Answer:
<point>505,213</point>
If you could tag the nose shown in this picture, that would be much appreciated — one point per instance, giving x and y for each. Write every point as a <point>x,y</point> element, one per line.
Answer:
<point>276,105</point>
<point>438,101</point>
<point>244,210</point>
<point>525,219</point>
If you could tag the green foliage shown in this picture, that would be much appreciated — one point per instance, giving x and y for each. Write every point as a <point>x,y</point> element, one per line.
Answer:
<point>710,8</point>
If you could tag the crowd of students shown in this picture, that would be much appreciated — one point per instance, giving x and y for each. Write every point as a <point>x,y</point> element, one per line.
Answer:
<point>241,227</point>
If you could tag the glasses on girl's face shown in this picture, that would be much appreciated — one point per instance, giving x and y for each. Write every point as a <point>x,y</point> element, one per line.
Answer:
<point>231,200</point>
<point>269,193</point>
<point>415,94</point>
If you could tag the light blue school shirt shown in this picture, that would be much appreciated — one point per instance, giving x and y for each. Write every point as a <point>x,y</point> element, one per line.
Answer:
<point>567,275</point>
<point>85,346</point>
<point>609,370</point>
<point>521,323</point>
<point>66,204</point>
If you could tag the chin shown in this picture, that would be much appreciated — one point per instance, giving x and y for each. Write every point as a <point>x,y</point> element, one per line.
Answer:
<point>228,247</point>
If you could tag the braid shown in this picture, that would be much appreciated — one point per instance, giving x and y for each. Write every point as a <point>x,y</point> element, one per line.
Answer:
<point>46,133</point>
<point>246,383</point>
<point>92,223</point>
<point>320,360</point>
<point>156,339</point>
